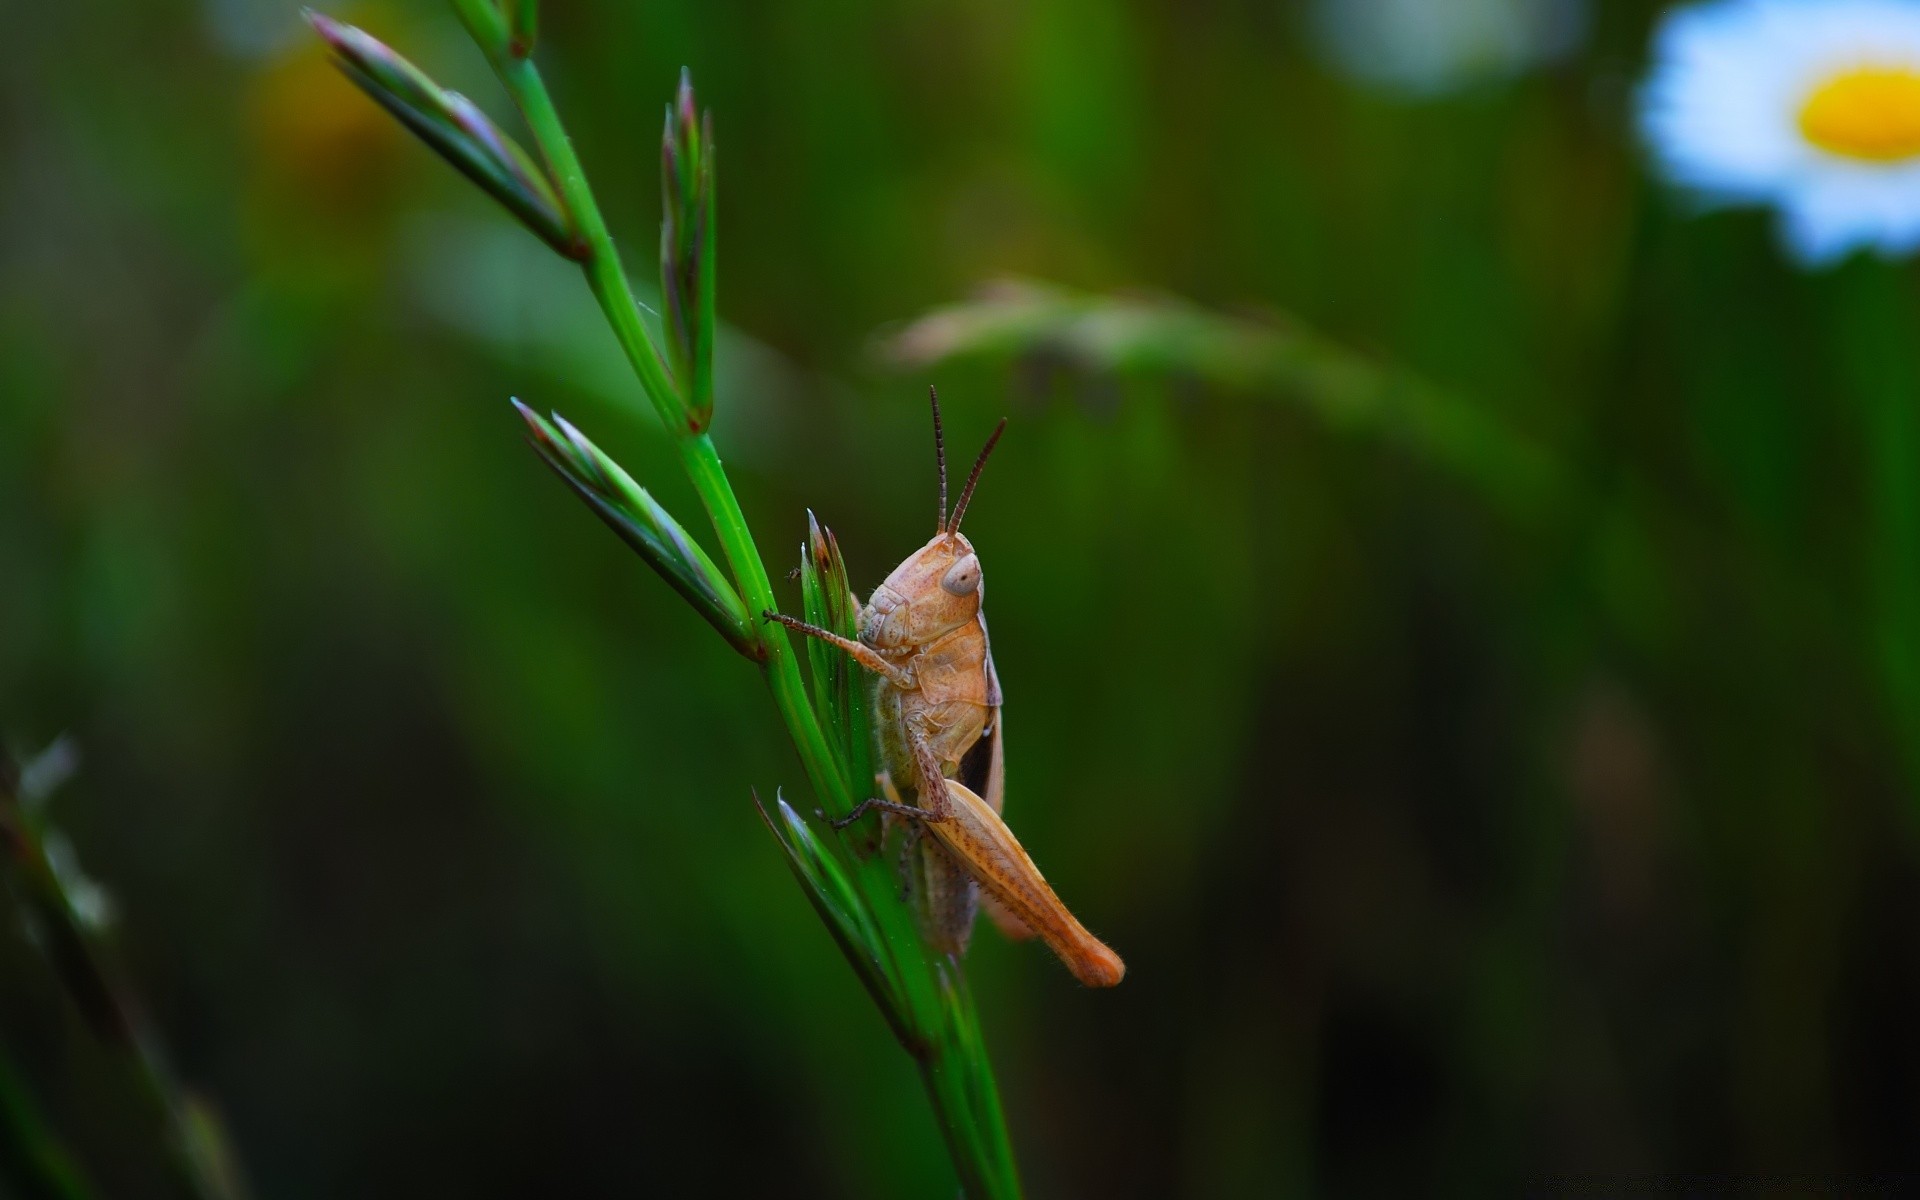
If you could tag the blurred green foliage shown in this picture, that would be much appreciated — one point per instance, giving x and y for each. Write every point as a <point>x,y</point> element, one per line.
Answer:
<point>1446,851</point>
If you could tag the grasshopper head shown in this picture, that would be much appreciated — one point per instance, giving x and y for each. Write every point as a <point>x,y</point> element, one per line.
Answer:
<point>938,588</point>
<point>934,592</point>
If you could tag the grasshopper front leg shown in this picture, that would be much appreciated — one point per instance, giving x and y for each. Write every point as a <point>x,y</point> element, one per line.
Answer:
<point>859,652</point>
<point>927,765</point>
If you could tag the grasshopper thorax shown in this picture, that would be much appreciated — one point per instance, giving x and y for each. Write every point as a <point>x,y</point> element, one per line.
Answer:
<point>934,592</point>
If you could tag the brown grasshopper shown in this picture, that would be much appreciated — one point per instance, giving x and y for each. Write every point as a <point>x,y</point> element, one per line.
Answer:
<point>936,716</point>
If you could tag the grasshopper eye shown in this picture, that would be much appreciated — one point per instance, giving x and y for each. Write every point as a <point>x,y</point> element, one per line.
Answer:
<point>963,577</point>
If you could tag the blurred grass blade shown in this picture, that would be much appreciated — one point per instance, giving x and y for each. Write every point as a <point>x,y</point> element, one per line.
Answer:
<point>47,772</point>
<point>33,1162</point>
<point>640,521</point>
<point>1142,335</point>
<point>196,1145</point>
<point>687,249</point>
<point>455,128</point>
<point>210,1149</point>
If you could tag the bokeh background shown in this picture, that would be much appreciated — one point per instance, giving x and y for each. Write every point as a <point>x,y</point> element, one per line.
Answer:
<point>1458,837</point>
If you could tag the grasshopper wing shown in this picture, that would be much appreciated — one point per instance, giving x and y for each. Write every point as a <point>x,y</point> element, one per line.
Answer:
<point>993,676</point>
<point>984,772</point>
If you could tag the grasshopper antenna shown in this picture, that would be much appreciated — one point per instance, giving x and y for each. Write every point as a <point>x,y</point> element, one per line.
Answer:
<point>939,452</point>
<point>966,494</point>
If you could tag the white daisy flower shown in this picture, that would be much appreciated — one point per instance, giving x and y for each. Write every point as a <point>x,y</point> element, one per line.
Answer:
<point>1809,105</point>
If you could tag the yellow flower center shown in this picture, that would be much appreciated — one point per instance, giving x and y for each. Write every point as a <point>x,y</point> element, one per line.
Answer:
<point>1870,113</point>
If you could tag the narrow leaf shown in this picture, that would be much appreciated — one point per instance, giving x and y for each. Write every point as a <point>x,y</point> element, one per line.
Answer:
<point>644,525</point>
<point>457,130</point>
<point>831,890</point>
<point>839,611</point>
<point>687,249</point>
<point>821,658</point>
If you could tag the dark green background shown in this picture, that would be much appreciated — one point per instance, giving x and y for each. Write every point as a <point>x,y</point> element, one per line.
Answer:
<point>1450,847</point>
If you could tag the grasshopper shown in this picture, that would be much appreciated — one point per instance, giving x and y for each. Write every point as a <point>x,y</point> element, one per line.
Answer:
<point>936,705</point>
